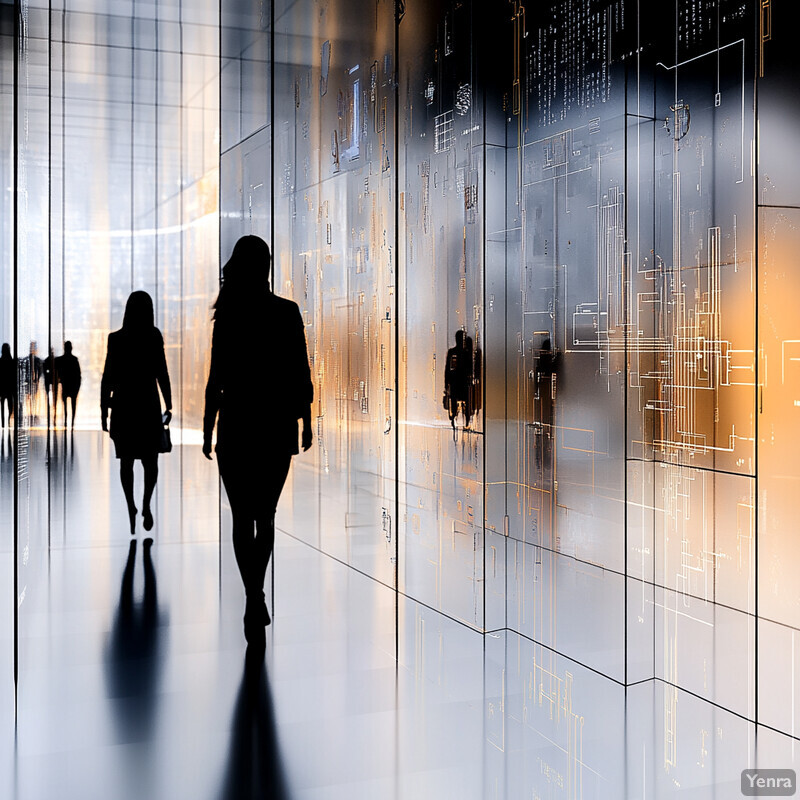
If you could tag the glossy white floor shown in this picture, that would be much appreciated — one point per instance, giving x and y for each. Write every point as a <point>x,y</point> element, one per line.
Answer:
<point>142,689</point>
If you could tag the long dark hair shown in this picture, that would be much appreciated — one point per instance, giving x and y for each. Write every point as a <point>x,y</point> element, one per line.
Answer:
<point>245,277</point>
<point>139,314</point>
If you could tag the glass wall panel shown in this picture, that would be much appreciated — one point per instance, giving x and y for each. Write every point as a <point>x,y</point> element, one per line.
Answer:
<point>31,327</point>
<point>778,399</point>
<point>7,472</point>
<point>565,324</point>
<point>778,547</point>
<point>441,325</point>
<point>692,347</point>
<point>245,69</point>
<point>116,161</point>
<point>599,165</point>
<point>335,255</point>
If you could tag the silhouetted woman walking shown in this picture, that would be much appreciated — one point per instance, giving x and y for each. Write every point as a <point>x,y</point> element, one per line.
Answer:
<point>135,369</point>
<point>254,457</point>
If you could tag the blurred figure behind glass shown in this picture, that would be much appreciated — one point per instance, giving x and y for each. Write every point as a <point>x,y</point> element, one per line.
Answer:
<point>458,379</point>
<point>255,443</point>
<point>135,369</point>
<point>68,374</point>
<point>32,369</point>
<point>50,383</point>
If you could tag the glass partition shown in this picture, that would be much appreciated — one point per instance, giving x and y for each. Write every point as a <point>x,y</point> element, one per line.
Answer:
<point>335,254</point>
<point>532,312</point>
<point>111,177</point>
<point>8,134</point>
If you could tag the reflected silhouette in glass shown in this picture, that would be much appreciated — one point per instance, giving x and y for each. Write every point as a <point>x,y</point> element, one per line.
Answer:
<point>254,768</point>
<point>462,380</point>
<point>134,654</point>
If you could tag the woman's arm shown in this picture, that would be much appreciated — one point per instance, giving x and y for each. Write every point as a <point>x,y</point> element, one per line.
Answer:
<point>305,389</point>
<point>106,385</point>
<point>213,394</point>
<point>162,374</point>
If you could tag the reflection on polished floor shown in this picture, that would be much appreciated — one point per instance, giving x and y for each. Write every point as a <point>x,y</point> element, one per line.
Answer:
<point>136,682</point>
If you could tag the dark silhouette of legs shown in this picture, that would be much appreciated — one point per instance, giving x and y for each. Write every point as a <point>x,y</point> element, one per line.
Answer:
<point>74,403</point>
<point>253,495</point>
<point>150,477</point>
<point>126,478</point>
<point>262,551</point>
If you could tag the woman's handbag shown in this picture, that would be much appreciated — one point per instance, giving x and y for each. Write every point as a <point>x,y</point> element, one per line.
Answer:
<point>165,445</point>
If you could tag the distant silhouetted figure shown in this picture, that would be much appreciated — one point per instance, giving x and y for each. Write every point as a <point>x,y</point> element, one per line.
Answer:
<point>32,366</point>
<point>8,383</point>
<point>458,379</point>
<point>254,459</point>
<point>50,382</point>
<point>135,369</point>
<point>68,373</point>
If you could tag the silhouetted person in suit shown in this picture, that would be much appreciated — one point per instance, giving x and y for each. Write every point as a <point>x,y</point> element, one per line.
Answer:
<point>32,366</point>
<point>458,379</point>
<point>135,369</point>
<point>253,459</point>
<point>50,382</point>
<point>8,383</point>
<point>68,373</point>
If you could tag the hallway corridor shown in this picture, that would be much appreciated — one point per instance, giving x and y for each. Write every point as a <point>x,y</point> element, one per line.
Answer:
<point>150,697</point>
<point>538,266</point>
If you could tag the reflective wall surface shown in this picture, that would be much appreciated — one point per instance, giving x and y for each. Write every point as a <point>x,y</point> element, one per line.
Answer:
<point>334,190</point>
<point>601,465</point>
<point>118,152</point>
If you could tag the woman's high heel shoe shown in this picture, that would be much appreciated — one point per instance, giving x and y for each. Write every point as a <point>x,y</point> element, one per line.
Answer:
<point>256,618</point>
